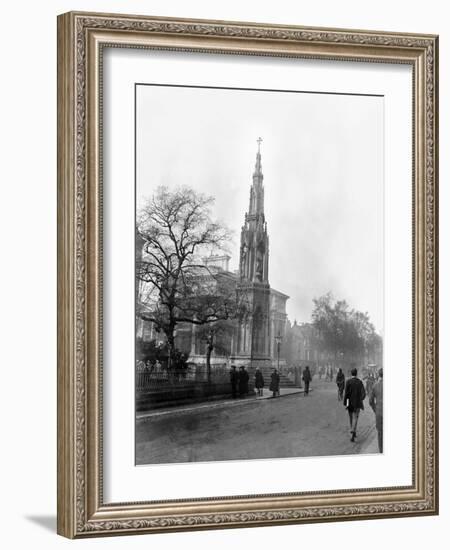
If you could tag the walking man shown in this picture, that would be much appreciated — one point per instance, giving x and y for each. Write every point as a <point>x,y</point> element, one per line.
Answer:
<point>307,379</point>
<point>233,381</point>
<point>353,400</point>
<point>376,402</point>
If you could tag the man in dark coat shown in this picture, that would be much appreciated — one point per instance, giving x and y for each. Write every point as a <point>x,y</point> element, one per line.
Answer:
<point>307,379</point>
<point>275,383</point>
<point>259,381</point>
<point>243,381</point>
<point>376,402</point>
<point>353,400</point>
<point>233,381</point>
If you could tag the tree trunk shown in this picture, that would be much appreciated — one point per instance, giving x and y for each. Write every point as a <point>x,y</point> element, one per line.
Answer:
<point>209,349</point>
<point>170,349</point>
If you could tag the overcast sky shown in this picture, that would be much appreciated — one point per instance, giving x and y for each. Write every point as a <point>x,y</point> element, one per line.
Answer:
<point>322,159</point>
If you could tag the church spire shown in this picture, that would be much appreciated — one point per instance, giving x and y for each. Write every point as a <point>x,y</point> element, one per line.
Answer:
<point>254,263</point>
<point>258,168</point>
<point>257,174</point>
<point>257,189</point>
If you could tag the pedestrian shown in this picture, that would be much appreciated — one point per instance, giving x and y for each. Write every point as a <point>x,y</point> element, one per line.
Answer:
<point>259,381</point>
<point>298,378</point>
<point>243,378</point>
<point>353,400</point>
<point>369,383</point>
<point>275,383</point>
<point>376,402</point>
<point>306,379</point>
<point>340,382</point>
<point>233,381</point>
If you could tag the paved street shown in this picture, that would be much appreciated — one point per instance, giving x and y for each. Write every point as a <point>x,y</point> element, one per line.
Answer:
<point>293,425</point>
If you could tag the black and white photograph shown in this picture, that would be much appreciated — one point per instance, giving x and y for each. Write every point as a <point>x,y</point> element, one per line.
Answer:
<point>239,258</point>
<point>259,274</point>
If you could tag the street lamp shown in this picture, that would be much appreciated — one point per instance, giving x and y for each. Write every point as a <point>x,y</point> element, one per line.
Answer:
<point>278,339</point>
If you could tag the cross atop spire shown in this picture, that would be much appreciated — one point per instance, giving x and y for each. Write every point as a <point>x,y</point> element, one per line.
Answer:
<point>259,140</point>
<point>257,175</point>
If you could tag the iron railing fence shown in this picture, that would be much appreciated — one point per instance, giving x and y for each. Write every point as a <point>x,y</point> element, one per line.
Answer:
<point>157,377</point>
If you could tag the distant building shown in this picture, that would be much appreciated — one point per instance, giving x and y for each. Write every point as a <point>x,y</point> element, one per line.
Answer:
<point>303,345</point>
<point>218,262</point>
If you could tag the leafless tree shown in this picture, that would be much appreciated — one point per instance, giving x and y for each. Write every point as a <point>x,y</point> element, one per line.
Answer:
<point>176,286</point>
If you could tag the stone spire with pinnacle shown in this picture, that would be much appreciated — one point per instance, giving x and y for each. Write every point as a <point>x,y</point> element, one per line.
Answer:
<point>254,262</point>
<point>256,207</point>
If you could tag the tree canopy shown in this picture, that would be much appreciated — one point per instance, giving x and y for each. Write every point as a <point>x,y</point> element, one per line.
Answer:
<point>175,284</point>
<point>342,330</point>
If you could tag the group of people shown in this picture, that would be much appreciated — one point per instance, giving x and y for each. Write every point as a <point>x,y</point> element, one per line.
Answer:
<point>148,366</point>
<point>352,392</point>
<point>239,381</point>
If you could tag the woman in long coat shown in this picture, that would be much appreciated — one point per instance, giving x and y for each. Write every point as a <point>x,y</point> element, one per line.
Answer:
<point>243,381</point>
<point>259,381</point>
<point>340,382</point>
<point>274,383</point>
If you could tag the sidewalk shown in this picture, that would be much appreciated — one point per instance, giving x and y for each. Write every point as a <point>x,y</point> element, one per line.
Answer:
<point>371,444</point>
<point>267,394</point>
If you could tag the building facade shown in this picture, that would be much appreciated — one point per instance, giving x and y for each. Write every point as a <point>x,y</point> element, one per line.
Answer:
<point>302,346</point>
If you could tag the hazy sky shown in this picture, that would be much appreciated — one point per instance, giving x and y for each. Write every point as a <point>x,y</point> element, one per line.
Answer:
<point>322,158</point>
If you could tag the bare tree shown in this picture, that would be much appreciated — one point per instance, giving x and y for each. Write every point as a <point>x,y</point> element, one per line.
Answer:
<point>175,284</point>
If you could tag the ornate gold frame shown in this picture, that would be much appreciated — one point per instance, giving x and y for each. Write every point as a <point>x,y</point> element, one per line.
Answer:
<point>81,37</point>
